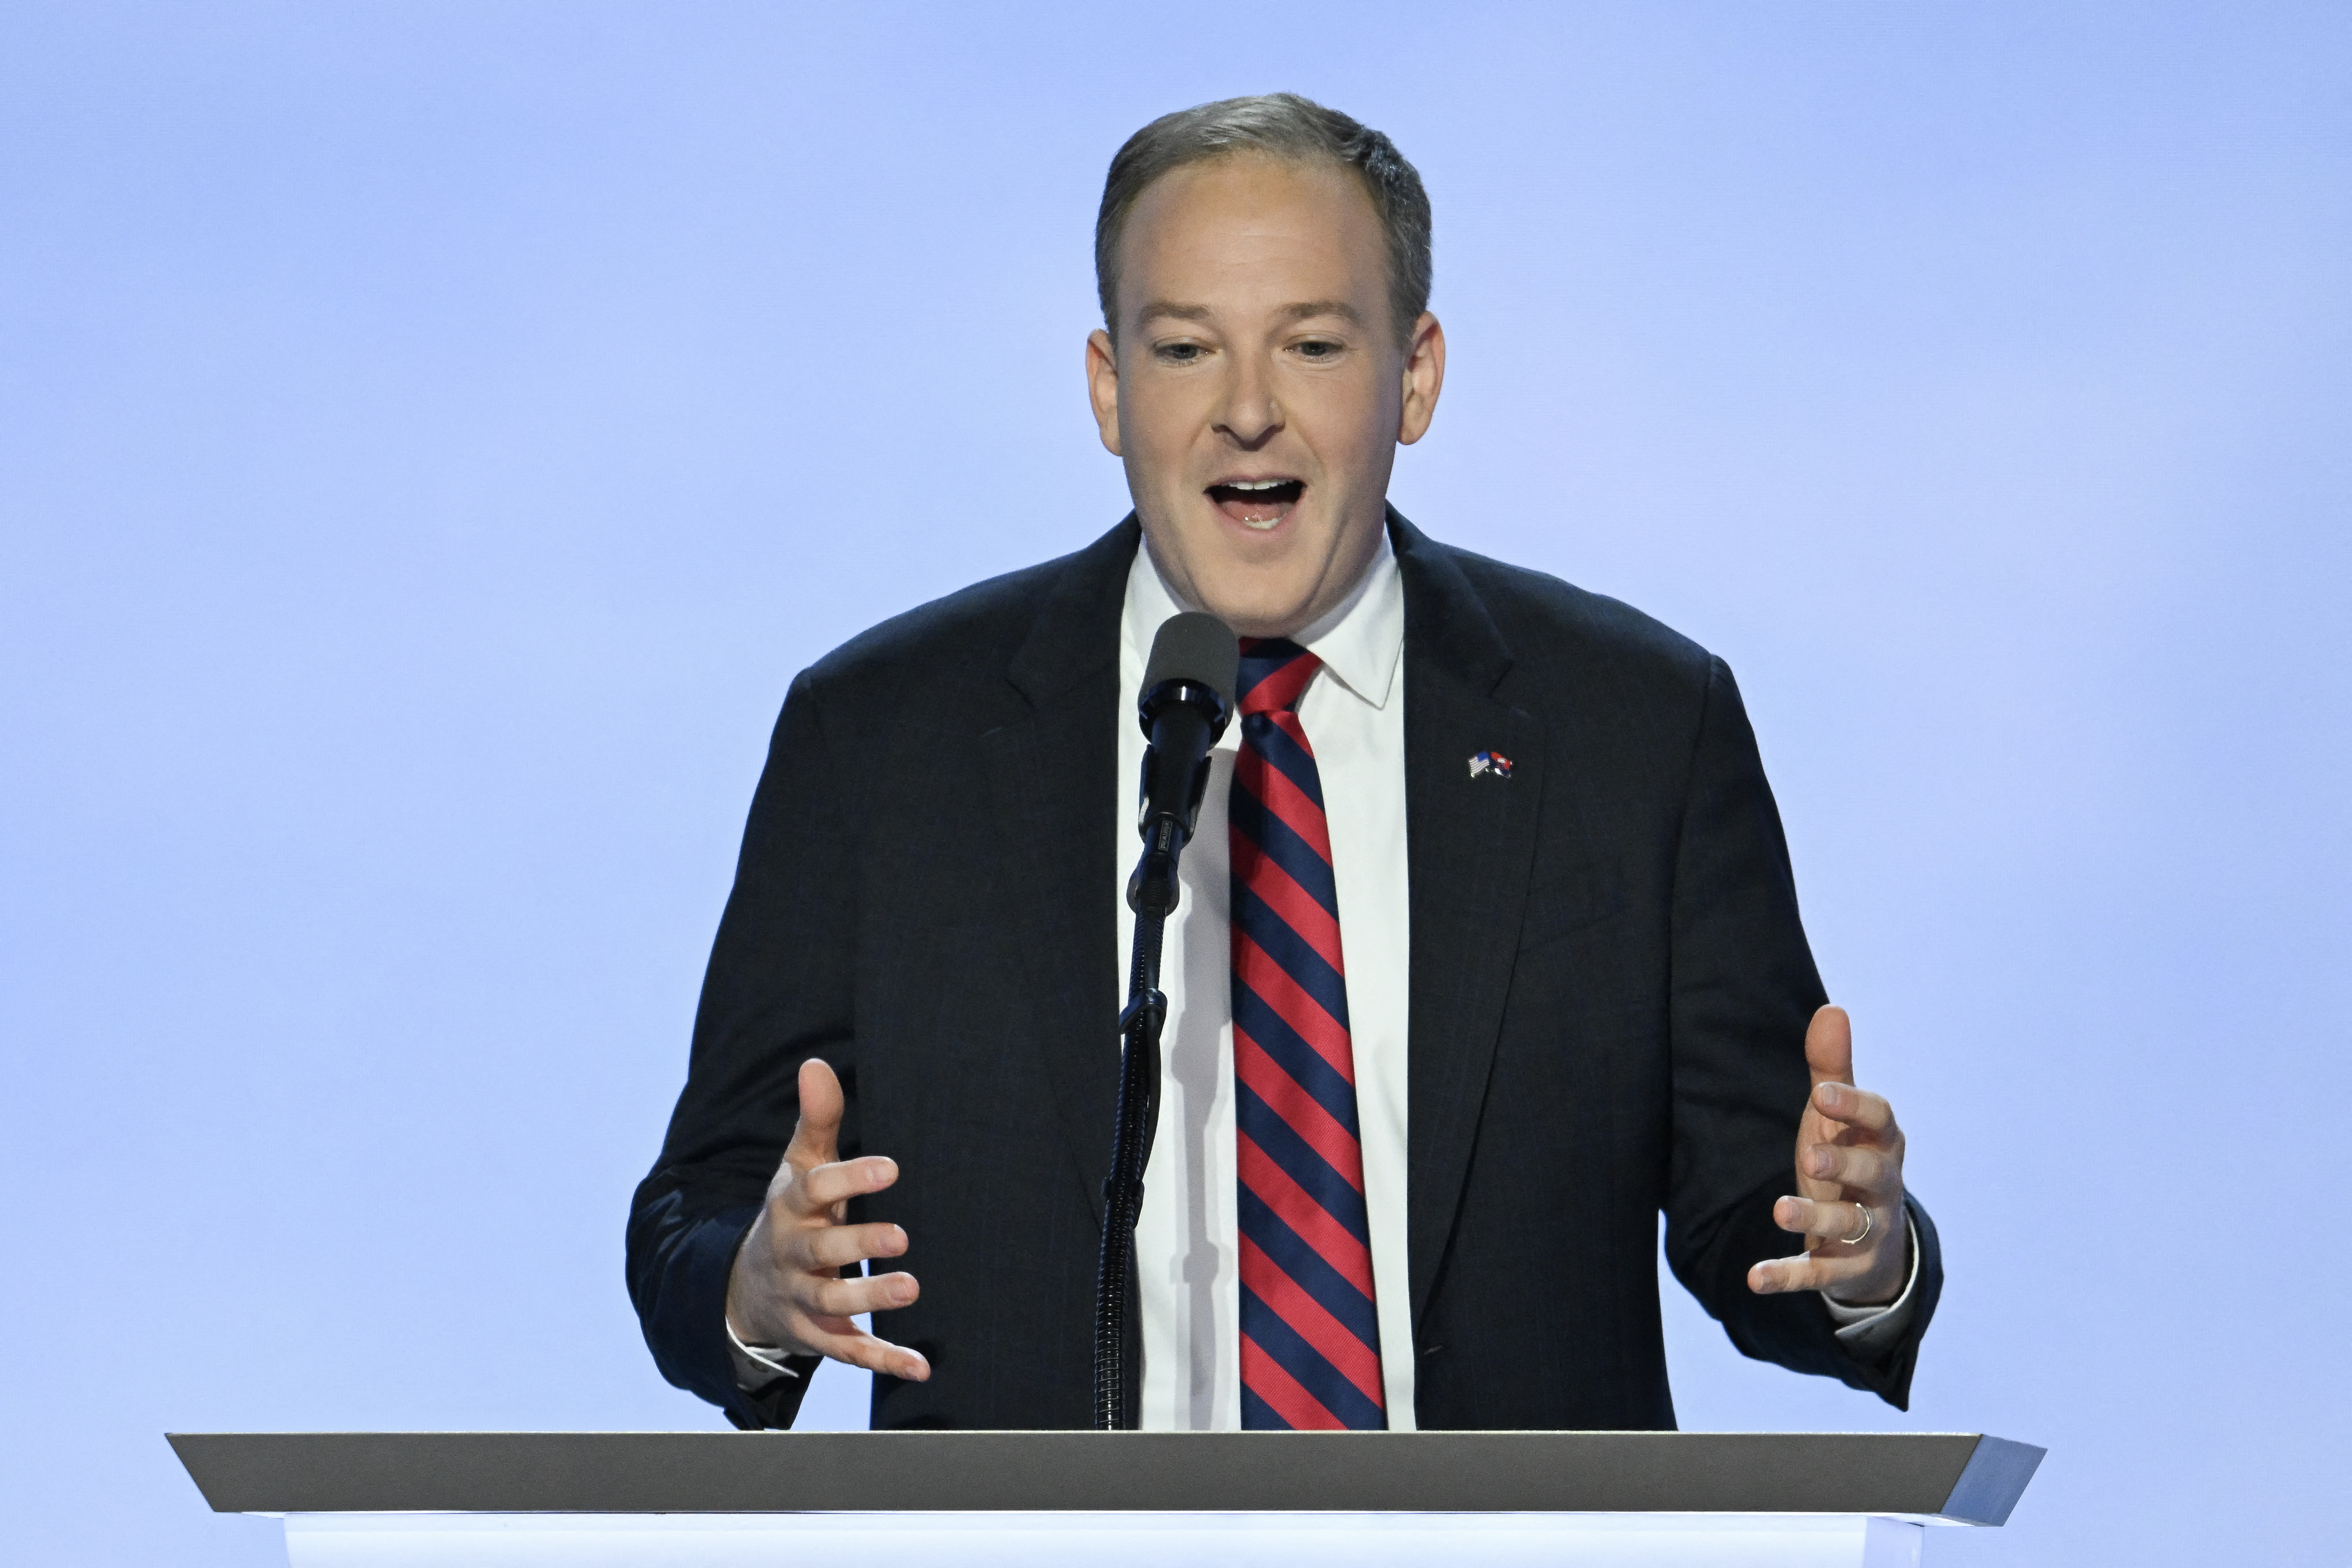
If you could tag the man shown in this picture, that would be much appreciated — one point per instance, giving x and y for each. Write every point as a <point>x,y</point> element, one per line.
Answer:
<point>1488,948</point>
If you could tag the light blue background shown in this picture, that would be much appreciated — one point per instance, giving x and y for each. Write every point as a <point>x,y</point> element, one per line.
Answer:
<point>432,435</point>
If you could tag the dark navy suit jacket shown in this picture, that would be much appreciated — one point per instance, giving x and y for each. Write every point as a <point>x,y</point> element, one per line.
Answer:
<point>1609,993</point>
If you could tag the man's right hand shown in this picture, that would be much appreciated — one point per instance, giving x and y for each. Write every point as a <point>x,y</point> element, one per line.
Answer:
<point>787,1291</point>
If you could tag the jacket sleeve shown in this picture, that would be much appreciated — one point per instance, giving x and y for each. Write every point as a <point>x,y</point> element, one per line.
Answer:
<point>1744,988</point>
<point>779,990</point>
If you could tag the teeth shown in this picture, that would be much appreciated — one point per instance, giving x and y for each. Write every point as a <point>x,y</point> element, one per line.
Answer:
<point>1258,483</point>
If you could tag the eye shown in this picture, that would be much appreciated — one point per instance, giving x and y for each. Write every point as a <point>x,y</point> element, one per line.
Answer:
<point>1316,348</point>
<point>1178,353</point>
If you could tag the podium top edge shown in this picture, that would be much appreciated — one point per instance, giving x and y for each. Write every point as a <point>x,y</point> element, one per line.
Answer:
<point>1966,1477</point>
<point>1069,1435</point>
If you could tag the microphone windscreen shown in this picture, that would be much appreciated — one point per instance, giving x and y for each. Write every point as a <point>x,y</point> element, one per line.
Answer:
<point>1195,647</point>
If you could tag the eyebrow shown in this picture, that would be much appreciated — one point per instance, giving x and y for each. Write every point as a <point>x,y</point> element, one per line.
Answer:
<point>1168,309</point>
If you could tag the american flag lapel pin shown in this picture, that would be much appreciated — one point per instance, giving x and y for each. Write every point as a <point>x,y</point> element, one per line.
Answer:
<point>1488,764</point>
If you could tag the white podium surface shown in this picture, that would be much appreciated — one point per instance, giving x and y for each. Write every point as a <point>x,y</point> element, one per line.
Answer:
<point>1098,1540</point>
<point>927,1499</point>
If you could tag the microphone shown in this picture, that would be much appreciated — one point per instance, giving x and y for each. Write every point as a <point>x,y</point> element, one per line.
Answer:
<point>1186,702</point>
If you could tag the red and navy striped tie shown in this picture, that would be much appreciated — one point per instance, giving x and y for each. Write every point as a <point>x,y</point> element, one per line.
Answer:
<point>1310,1343</point>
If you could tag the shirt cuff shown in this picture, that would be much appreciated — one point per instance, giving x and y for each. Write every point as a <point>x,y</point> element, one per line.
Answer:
<point>1866,1330</point>
<point>757,1365</point>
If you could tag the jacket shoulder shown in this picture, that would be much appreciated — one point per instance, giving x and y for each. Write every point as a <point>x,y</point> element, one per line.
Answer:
<point>970,637</point>
<point>987,618</point>
<point>1570,633</point>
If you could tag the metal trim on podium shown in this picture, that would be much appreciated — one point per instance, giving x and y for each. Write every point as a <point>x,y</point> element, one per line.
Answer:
<point>1349,1499</point>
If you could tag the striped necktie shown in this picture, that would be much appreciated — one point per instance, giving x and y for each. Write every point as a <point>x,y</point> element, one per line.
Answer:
<point>1310,1343</point>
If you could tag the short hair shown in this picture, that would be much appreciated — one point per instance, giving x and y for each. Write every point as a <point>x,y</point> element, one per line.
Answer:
<point>1280,125</point>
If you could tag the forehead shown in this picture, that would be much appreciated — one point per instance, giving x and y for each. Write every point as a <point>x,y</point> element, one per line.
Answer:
<point>1249,230</point>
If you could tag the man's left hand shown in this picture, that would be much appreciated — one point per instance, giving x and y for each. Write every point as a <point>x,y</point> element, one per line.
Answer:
<point>1849,1202</point>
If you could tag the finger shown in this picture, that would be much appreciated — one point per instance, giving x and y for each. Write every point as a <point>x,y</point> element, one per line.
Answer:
<point>1828,1221</point>
<point>817,1191</point>
<point>816,1137</point>
<point>844,1341</point>
<point>859,1293</point>
<point>1828,1047</point>
<point>844,1245</point>
<point>1850,1164</point>
<point>1857,1108</point>
<point>1806,1271</point>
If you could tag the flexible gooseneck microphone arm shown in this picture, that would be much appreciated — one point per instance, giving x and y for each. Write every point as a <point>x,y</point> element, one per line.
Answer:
<point>1185,704</point>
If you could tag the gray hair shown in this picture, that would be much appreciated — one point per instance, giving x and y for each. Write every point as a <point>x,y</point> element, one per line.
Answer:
<point>1280,125</point>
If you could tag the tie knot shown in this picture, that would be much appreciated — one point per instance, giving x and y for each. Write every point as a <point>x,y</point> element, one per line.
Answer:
<point>1275,672</point>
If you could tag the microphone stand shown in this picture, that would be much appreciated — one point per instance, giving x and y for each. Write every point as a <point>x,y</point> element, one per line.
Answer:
<point>1152,893</point>
<point>1183,715</point>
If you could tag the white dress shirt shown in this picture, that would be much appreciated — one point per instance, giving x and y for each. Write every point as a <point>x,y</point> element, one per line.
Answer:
<point>1186,1255</point>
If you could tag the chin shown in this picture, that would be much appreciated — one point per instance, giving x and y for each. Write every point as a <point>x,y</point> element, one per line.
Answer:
<point>1259,614</point>
<point>1261,582</point>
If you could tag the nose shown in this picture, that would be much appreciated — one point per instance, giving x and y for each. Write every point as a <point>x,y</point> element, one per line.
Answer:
<point>1249,415</point>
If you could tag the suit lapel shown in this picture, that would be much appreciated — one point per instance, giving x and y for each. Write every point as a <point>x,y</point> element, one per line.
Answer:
<point>1051,781</point>
<point>1471,847</point>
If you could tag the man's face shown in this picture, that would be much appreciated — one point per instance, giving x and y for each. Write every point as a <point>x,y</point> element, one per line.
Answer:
<point>1257,391</point>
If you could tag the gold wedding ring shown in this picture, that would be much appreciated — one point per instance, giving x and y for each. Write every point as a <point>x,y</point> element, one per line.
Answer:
<point>1859,1236</point>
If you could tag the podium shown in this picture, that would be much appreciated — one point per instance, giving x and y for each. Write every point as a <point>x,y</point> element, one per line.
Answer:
<point>1139,1499</point>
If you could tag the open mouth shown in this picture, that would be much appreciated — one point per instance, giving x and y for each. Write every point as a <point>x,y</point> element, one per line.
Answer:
<point>1256,503</point>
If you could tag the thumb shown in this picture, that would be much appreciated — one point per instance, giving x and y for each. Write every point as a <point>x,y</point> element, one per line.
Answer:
<point>1828,1047</point>
<point>816,1139</point>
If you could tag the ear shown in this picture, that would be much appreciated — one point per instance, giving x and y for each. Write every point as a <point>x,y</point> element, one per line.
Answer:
<point>1102,387</point>
<point>1424,377</point>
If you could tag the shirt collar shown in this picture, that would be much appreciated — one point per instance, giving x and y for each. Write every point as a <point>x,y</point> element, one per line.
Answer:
<point>1359,640</point>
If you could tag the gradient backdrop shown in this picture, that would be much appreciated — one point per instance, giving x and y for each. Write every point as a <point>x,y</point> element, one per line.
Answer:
<point>432,435</point>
